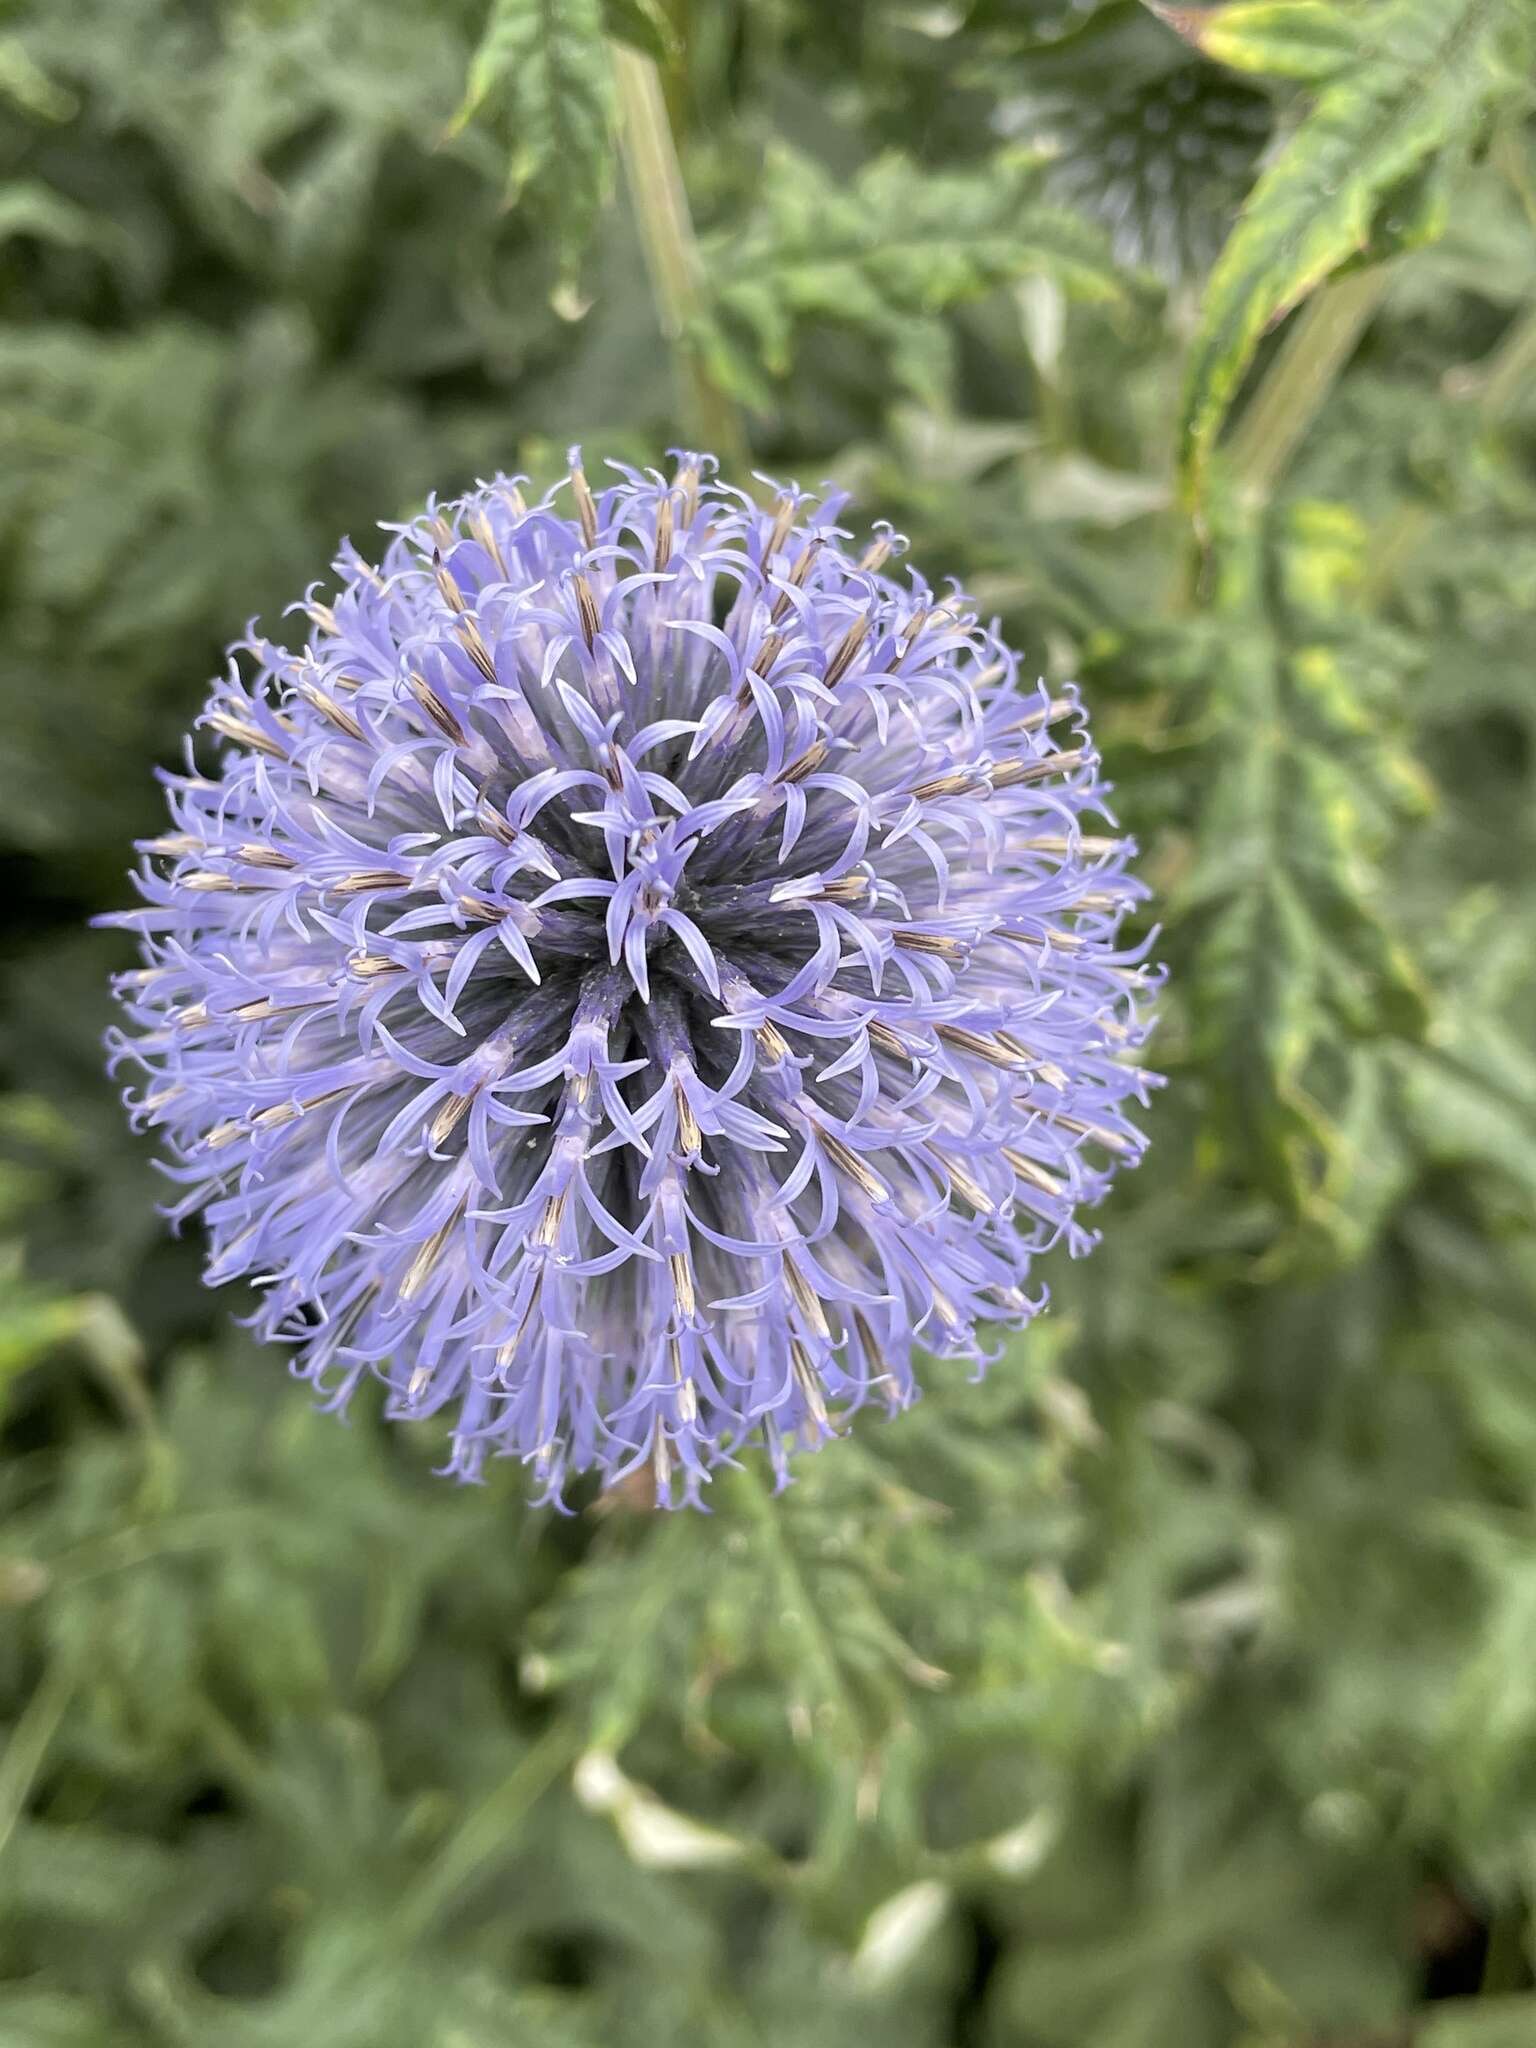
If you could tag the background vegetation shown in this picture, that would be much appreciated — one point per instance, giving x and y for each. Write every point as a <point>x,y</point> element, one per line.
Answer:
<point>1176,1687</point>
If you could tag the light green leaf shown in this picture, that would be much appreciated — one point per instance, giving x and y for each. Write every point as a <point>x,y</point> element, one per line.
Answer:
<point>645,25</point>
<point>887,255</point>
<point>1281,38</point>
<point>1294,971</point>
<point>1426,70</point>
<point>544,63</point>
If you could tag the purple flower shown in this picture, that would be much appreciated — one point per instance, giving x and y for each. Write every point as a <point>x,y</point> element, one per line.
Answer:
<point>631,979</point>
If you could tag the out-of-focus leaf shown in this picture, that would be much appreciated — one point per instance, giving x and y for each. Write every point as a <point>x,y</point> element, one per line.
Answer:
<point>645,25</point>
<point>1310,39</point>
<point>1424,70</point>
<point>544,64</point>
<point>885,258</point>
<point>1293,965</point>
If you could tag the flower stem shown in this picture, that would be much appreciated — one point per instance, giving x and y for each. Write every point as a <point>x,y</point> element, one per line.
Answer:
<point>1298,381</point>
<point>672,257</point>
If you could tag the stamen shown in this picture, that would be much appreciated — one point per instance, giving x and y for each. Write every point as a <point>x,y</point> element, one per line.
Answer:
<point>1013,774</point>
<point>448,1119</point>
<point>586,508</point>
<point>662,554</point>
<point>806,1299</point>
<point>586,608</point>
<point>547,1232</point>
<point>998,1052</point>
<point>474,646</point>
<point>847,648</point>
<point>448,589</point>
<point>330,710</point>
<point>481,529</point>
<point>244,734</point>
<point>1028,1170</point>
<point>846,1160</point>
<point>687,1123</point>
<point>778,533</point>
<point>434,707</point>
<point>370,878</point>
<point>797,576</point>
<point>426,1259</point>
<point>809,1384</point>
<point>682,1285</point>
<point>813,759</point>
<point>937,943</point>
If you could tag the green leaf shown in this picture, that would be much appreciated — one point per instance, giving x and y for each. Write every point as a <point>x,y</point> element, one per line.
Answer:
<point>1425,71</point>
<point>886,255</point>
<point>1480,2023</point>
<point>543,65</point>
<point>1308,39</point>
<point>1293,970</point>
<point>645,25</point>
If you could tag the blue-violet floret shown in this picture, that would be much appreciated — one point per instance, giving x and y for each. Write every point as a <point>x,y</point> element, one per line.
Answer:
<point>635,976</point>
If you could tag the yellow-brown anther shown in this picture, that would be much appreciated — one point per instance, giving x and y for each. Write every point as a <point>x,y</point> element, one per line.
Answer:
<point>547,1230</point>
<point>333,713</point>
<point>244,734</point>
<point>847,648</point>
<point>1011,774</point>
<point>774,1045</point>
<point>473,643</point>
<point>682,1285</point>
<point>998,1051</point>
<point>366,879</point>
<point>957,783</point>
<point>802,569</point>
<point>847,1161</point>
<point>778,533</point>
<point>421,1267</point>
<point>482,531</point>
<point>809,1384</point>
<point>448,1118</point>
<point>586,507</point>
<point>448,588</point>
<point>809,763</point>
<point>586,608</point>
<point>665,522</point>
<point>433,705</point>
<point>1033,1173</point>
<point>938,943</point>
<point>688,1131</point>
<point>805,1298</point>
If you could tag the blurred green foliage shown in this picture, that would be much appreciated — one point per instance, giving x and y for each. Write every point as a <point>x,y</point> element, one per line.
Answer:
<point>1172,1689</point>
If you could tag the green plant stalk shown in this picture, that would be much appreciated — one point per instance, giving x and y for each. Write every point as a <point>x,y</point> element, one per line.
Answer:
<point>1320,343</point>
<point>672,258</point>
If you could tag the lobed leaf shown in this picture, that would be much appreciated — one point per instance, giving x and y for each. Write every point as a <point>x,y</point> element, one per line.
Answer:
<point>1424,71</point>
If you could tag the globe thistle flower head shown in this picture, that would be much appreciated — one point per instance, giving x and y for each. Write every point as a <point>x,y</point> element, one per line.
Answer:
<point>634,977</point>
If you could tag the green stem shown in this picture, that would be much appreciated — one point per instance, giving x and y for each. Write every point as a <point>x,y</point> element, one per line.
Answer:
<point>31,1735</point>
<point>672,258</point>
<point>1319,344</point>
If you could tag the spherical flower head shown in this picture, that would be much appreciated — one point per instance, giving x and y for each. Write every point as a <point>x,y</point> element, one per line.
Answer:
<point>635,977</point>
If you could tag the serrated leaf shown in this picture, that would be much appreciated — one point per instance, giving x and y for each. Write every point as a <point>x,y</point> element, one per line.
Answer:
<point>1425,71</point>
<point>1309,39</point>
<point>1294,969</point>
<point>645,25</point>
<point>886,255</point>
<point>544,65</point>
